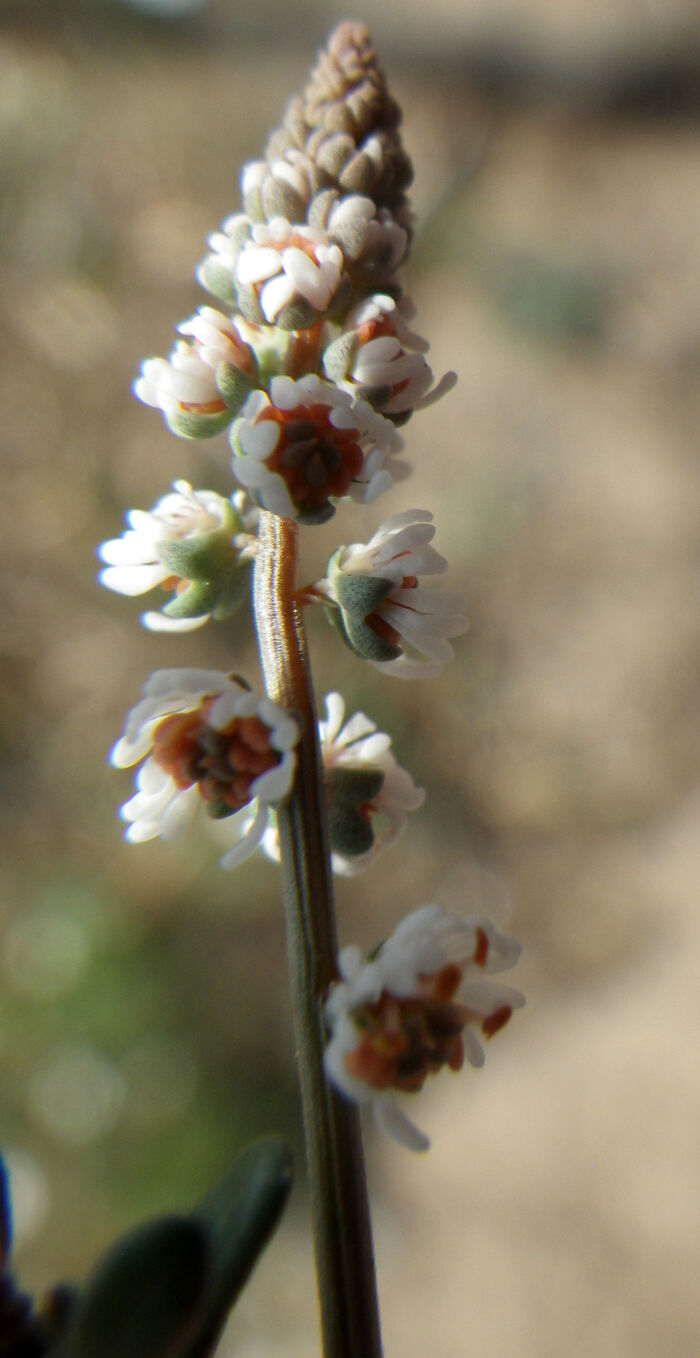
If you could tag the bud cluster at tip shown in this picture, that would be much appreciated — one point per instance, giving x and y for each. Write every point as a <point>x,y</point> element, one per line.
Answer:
<point>305,278</point>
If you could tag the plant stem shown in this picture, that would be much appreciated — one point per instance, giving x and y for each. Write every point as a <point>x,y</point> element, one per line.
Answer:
<point>342,1230</point>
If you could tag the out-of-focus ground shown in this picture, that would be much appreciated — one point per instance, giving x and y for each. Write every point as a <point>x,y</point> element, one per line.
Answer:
<point>144,1024</point>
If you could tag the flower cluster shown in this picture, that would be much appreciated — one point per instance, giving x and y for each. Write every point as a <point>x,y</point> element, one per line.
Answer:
<point>309,364</point>
<point>419,1002</point>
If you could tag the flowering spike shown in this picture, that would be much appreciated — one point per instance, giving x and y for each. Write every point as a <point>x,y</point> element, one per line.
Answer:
<point>341,134</point>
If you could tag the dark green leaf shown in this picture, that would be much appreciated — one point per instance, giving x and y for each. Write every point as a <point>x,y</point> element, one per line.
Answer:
<point>146,1296</point>
<point>239,1215</point>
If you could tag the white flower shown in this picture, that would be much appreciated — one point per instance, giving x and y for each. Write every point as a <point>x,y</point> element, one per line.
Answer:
<point>372,355</point>
<point>218,339</point>
<point>184,381</point>
<point>205,738</point>
<point>287,262</point>
<point>373,240</point>
<point>280,187</point>
<point>359,745</point>
<point>387,616</point>
<point>203,383</point>
<point>217,270</point>
<point>307,444</point>
<point>418,1003</point>
<point>143,557</point>
<point>358,749</point>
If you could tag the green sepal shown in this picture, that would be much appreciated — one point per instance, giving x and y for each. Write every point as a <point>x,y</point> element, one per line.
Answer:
<point>219,580</point>
<point>297,315</point>
<point>348,790</point>
<point>234,385</point>
<point>187,424</point>
<point>217,279</point>
<point>356,598</point>
<point>338,356</point>
<point>249,306</point>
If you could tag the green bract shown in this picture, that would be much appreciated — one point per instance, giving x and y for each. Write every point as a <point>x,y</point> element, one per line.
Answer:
<point>356,597</point>
<point>348,790</point>
<point>189,424</point>
<point>219,580</point>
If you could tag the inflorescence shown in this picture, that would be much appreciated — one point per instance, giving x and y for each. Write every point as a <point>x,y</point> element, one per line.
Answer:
<point>308,361</point>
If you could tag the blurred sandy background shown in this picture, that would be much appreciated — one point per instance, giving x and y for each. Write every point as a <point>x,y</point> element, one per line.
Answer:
<point>144,1025</point>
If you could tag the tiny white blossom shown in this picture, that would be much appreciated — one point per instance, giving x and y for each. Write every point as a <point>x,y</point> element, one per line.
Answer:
<point>372,355</point>
<point>281,187</point>
<point>218,339</point>
<point>141,558</point>
<point>306,444</point>
<point>182,381</point>
<point>284,262</point>
<point>205,739</point>
<point>404,632</point>
<point>367,236</point>
<point>358,747</point>
<point>418,1003</point>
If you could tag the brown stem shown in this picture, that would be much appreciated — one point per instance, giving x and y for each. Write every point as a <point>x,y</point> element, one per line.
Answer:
<point>342,1231</point>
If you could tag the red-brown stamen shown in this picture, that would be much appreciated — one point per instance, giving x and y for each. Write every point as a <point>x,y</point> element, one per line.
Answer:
<point>315,460</point>
<point>223,764</point>
<point>496,1021</point>
<point>481,950</point>
<point>214,407</point>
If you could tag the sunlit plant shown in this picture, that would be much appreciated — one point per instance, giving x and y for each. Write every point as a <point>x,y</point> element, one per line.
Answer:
<point>307,361</point>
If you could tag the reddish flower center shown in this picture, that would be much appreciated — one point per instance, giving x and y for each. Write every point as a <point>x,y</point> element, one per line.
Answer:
<point>403,1041</point>
<point>223,764</point>
<point>315,459</point>
<point>379,328</point>
<point>215,407</point>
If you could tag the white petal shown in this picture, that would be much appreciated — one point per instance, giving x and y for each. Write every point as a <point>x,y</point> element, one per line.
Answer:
<point>273,785</point>
<point>260,439</point>
<point>394,1122</point>
<point>284,393</point>
<point>258,263</point>
<point>248,842</point>
<point>141,831</point>
<point>179,814</point>
<point>133,580</point>
<point>132,549</point>
<point>380,350</point>
<point>473,1049</point>
<point>275,295</point>
<point>335,711</point>
<point>160,622</point>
